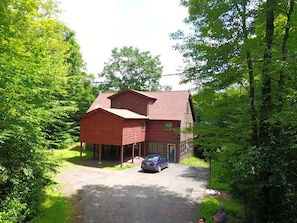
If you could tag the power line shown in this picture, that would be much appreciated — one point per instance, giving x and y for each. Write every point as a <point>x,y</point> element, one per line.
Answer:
<point>252,60</point>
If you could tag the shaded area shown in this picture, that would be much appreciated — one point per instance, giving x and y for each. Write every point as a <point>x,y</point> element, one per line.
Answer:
<point>196,173</point>
<point>133,204</point>
<point>89,161</point>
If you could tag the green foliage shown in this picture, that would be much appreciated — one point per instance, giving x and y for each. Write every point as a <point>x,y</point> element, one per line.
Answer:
<point>37,102</point>
<point>209,207</point>
<point>243,53</point>
<point>220,122</point>
<point>130,68</point>
<point>219,177</point>
<point>194,161</point>
<point>55,208</point>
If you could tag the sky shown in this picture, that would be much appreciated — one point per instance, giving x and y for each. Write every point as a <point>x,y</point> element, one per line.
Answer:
<point>101,26</point>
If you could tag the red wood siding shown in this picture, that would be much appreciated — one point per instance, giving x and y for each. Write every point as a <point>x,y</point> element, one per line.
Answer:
<point>101,127</point>
<point>156,132</point>
<point>132,132</point>
<point>132,102</point>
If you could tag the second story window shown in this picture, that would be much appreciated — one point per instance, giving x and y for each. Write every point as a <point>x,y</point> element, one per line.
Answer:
<point>143,126</point>
<point>187,108</point>
<point>168,126</point>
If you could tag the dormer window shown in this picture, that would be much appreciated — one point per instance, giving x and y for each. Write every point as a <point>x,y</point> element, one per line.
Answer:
<point>168,126</point>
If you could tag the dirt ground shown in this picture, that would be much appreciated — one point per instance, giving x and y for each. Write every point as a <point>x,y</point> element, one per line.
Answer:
<point>132,196</point>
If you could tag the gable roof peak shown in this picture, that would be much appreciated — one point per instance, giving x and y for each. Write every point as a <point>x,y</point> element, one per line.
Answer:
<point>141,93</point>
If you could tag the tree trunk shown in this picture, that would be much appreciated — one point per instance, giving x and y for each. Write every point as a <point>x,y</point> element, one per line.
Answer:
<point>266,111</point>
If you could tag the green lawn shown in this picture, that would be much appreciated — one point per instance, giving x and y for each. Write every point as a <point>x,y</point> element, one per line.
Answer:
<point>193,161</point>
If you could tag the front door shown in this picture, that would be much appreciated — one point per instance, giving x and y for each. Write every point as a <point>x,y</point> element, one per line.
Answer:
<point>171,152</point>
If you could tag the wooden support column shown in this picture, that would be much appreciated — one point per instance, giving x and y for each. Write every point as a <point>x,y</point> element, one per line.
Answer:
<point>80,150</point>
<point>100,154</point>
<point>139,149</point>
<point>144,149</point>
<point>122,155</point>
<point>133,147</point>
<point>117,151</point>
<point>94,151</point>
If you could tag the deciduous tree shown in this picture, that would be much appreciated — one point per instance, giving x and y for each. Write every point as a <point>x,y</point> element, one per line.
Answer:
<point>251,44</point>
<point>130,68</point>
<point>36,101</point>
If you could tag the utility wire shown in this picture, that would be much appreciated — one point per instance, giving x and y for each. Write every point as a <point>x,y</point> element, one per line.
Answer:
<point>252,60</point>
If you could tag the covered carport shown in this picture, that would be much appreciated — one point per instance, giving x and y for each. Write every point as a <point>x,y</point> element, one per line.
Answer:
<point>111,126</point>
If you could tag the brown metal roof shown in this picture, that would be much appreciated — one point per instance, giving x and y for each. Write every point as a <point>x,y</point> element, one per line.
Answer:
<point>102,101</point>
<point>168,105</point>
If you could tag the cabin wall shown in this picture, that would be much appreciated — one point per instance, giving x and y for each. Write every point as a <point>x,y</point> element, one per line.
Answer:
<point>131,102</point>
<point>133,132</point>
<point>101,128</point>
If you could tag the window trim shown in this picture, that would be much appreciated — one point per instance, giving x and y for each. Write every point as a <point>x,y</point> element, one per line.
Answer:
<point>168,126</point>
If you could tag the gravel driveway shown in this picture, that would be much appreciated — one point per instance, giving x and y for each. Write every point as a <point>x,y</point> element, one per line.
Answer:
<point>132,196</point>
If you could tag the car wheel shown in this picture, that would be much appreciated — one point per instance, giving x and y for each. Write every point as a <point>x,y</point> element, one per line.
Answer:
<point>159,168</point>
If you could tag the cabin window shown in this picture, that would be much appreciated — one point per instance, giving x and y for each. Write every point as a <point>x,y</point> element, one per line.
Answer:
<point>187,109</point>
<point>168,126</point>
<point>143,126</point>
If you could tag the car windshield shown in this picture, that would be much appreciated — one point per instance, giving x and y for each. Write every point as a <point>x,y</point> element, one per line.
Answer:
<point>152,158</point>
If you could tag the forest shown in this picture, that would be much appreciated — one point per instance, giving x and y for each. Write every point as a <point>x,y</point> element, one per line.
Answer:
<point>241,55</point>
<point>43,88</point>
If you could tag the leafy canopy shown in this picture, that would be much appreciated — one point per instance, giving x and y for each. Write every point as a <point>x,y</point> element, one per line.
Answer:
<point>249,46</point>
<point>130,68</point>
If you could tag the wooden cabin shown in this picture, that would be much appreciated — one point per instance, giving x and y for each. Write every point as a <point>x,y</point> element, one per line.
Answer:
<point>128,123</point>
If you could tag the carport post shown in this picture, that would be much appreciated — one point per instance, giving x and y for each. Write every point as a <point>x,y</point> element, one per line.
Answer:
<point>94,152</point>
<point>122,155</point>
<point>133,152</point>
<point>100,154</point>
<point>80,150</point>
<point>139,150</point>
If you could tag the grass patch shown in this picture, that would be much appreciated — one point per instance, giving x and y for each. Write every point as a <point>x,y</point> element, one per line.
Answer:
<point>71,155</point>
<point>55,208</point>
<point>209,207</point>
<point>194,161</point>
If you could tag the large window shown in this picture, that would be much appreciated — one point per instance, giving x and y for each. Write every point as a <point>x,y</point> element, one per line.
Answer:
<point>154,147</point>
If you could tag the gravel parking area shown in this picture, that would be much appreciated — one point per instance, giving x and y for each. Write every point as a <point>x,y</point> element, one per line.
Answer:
<point>132,196</point>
